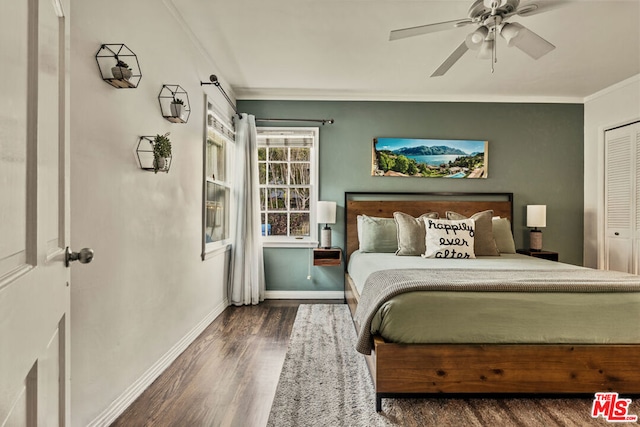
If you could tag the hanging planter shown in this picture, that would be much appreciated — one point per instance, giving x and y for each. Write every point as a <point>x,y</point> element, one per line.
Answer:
<point>161,153</point>
<point>121,71</point>
<point>154,153</point>
<point>177,109</point>
<point>174,103</point>
<point>118,66</point>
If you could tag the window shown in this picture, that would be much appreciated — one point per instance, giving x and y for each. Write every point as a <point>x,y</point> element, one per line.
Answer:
<point>287,162</point>
<point>218,147</point>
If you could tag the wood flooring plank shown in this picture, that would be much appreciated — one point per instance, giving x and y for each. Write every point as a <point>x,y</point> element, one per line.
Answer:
<point>227,376</point>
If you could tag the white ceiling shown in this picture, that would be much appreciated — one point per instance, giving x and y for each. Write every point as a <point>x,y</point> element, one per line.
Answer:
<point>340,49</point>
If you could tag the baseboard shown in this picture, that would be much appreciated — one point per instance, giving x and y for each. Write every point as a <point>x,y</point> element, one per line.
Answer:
<point>304,295</point>
<point>118,406</point>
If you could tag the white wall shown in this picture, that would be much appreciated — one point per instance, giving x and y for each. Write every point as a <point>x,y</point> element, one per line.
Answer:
<point>147,288</point>
<point>614,106</point>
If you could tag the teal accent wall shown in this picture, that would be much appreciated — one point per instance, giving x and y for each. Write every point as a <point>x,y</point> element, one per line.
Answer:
<point>535,152</point>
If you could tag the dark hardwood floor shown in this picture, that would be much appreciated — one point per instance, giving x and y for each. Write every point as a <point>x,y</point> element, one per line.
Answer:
<point>227,376</point>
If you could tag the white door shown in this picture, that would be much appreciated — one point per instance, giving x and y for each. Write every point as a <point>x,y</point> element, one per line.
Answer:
<point>34,222</point>
<point>622,198</point>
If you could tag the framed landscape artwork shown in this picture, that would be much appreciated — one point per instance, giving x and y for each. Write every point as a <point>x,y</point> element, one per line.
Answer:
<point>430,158</point>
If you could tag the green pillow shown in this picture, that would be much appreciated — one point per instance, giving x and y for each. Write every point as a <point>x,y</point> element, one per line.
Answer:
<point>377,234</point>
<point>503,235</point>
<point>411,233</point>
<point>484,243</point>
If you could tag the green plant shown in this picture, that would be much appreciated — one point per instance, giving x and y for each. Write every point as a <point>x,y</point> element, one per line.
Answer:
<point>161,150</point>
<point>122,64</point>
<point>177,101</point>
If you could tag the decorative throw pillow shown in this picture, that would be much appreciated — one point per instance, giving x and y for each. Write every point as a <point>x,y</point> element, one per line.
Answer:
<point>503,235</point>
<point>485,244</point>
<point>377,234</point>
<point>411,233</point>
<point>449,239</point>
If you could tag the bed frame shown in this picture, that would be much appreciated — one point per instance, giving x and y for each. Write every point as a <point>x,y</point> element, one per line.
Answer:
<point>401,370</point>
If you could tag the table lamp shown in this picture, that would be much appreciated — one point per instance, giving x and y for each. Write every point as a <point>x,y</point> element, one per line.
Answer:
<point>326,214</point>
<point>536,217</point>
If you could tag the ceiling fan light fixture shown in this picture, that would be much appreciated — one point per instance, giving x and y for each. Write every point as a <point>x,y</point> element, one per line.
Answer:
<point>486,50</point>
<point>511,32</point>
<point>526,40</point>
<point>475,39</point>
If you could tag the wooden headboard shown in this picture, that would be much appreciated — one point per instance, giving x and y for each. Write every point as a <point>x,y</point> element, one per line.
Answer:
<point>415,204</point>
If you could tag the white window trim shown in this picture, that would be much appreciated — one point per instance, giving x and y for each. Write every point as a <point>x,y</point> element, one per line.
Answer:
<point>310,241</point>
<point>212,249</point>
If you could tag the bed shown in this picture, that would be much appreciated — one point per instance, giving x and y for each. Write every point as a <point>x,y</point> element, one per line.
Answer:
<point>505,323</point>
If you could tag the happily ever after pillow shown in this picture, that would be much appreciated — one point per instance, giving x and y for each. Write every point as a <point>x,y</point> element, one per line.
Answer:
<point>449,238</point>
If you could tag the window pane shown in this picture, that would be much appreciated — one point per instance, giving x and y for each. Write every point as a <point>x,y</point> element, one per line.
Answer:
<point>262,170</point>
<point>299,199</point>
<point>278,173</point>
<point>263,199</point>
<point>216,227</point>
<point>300,224</point>
<point>266,228</point>
<point>262,154</point>
<point>300,174</point>
<point>278,224</point>
<point>300,154</point>
<point>276,199</point>
<point>277,154</point>
<point>215,157</point>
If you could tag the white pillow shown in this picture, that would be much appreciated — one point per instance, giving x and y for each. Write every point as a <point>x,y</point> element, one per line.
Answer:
<point>449,238</point>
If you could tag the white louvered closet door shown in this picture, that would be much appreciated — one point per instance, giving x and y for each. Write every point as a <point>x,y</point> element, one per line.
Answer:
<point>622,199</point>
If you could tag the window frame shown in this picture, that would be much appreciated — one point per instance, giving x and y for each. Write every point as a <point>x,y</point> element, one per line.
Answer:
<point>310,241</point>
<point>225,130</point>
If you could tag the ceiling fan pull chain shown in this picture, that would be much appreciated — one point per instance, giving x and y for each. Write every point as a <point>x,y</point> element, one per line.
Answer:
<point>494,55</point>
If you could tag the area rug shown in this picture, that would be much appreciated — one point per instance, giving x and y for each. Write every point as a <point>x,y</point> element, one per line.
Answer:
<point>325,382</point>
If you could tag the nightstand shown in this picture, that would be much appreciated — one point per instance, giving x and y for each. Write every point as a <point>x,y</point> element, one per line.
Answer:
<point>327,257</point>
<point>551,256</point>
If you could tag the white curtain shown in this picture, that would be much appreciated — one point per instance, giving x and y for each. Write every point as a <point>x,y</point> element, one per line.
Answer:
<point>246,279</point>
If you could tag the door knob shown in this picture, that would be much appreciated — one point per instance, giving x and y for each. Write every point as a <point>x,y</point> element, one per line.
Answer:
<point>84,256</point>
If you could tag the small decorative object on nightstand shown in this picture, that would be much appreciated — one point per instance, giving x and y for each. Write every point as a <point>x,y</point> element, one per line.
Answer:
<point>536,217</point>
<point>327,257</point>
<point>550,255</point>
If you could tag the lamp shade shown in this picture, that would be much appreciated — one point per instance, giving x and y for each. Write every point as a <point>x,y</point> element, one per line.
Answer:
<point>326,213</point>
<point>536,215</point>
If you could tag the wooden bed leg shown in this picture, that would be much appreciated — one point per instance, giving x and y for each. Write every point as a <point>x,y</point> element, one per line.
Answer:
<point>378,402</point>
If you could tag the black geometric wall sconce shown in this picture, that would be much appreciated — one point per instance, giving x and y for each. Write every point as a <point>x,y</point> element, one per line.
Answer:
<point>118,66</point>
<point>174,103</point>
<point>148,160</point>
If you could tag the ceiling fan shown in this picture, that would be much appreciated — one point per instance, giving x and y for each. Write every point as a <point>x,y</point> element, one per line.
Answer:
<point>491,18</point>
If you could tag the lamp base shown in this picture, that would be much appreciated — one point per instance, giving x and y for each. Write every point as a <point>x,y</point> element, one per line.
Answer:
<point>535,240</point>
<point>325,238</point>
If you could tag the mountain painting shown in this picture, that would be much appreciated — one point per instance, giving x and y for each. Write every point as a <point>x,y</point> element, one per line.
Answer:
<point>430,158</point>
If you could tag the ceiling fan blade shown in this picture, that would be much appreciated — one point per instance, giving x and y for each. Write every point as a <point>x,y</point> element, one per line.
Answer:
<point>538,6</point>
<point>429,28</point>
<point>452,59</point>
<point>529,42</point>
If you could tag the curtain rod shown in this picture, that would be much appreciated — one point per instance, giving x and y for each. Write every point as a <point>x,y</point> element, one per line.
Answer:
<point>216,83</point>
<point>323,121</point>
